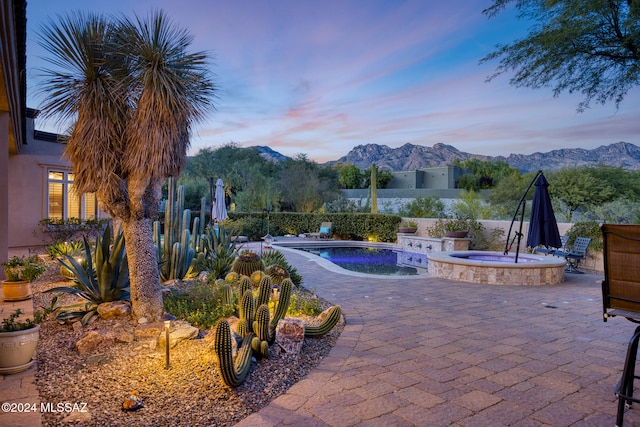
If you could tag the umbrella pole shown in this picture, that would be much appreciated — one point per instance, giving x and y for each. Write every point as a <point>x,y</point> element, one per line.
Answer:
<point>521,205</point>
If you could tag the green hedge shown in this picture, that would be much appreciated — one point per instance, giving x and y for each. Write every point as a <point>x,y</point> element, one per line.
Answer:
<point>347,226</point>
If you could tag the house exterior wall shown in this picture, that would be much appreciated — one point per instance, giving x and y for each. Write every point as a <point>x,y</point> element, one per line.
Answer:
<point>435,178</point>
<point>28,189</point>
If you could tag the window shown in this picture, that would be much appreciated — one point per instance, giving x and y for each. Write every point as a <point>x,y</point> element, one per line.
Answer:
<point>64,202</point>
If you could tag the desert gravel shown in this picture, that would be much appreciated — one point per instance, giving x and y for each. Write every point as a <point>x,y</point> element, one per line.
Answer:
<point>190,393</point>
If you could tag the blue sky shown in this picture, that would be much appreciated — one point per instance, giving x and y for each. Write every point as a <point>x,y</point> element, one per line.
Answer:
<point>321,77</point>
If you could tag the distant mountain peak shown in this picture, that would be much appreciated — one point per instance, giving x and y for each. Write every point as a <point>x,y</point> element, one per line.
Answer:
<point>411,157</point>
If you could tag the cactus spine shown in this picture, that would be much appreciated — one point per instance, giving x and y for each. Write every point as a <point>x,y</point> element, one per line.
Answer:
<point>283,304</point>
<point>247,262</point>
<point>332,319</point>
<point>227,295</point>
<point>233,374</point>
<point>246,311</point>
<point>264,291</point>
<point>245,284</point>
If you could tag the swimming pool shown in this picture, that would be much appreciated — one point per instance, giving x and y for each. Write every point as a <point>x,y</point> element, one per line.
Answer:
<point>369,260</point>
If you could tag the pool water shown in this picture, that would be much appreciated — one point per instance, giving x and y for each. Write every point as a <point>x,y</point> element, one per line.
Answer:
<point>365,260</point>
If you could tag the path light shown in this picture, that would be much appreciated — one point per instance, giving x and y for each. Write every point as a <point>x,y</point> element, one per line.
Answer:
<point>167,324</point>
<point>268,241</point>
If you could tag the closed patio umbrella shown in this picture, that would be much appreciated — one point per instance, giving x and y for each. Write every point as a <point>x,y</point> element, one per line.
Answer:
<point>219,211</point>
<point>543,228</point>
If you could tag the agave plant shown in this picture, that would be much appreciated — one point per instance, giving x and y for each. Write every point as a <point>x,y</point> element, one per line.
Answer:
<point>105,278</point>
<point>218,252</point>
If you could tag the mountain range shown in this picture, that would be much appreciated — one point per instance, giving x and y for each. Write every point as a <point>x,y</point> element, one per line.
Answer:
<point>411,157</point>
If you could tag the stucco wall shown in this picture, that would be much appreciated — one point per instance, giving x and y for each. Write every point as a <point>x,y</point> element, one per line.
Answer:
<point>27,191</point>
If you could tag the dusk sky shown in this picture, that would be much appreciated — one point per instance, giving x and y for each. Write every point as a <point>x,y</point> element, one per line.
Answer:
<point>321,77</point>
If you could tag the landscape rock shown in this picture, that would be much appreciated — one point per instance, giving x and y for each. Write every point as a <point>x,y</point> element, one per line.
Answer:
<point>148,330</point>
<point>290,335</point>
<point>114,310</point>
<point>89,342</point>
<point>179,331</point>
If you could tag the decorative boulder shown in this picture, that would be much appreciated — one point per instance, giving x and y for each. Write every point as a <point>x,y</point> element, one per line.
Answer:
<point>114,310</point>
<point>290,335</point>
<point>89,342</point>
<point>179,331</point>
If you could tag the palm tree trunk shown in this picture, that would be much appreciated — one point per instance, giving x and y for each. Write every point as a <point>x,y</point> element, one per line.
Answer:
<point>146,295</point>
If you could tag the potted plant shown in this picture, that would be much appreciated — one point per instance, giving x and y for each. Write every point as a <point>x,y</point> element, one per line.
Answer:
<point>408,227</point>
<point>18,341</point>
<point>19,273</point>
<point>457,228</point>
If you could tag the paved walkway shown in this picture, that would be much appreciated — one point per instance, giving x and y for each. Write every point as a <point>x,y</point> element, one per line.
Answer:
<point>432,352</point>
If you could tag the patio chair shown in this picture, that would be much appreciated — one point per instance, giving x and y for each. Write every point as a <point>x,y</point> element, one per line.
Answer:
<point>326,230</point>
<point>575,253</point>
<point>551,251</point>
<point>621,297</point>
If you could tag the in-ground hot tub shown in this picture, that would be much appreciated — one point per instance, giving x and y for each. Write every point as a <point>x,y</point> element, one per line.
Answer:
<point>495,268</point>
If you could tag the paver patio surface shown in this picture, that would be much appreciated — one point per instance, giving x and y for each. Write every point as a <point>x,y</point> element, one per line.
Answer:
<point>433,352</point>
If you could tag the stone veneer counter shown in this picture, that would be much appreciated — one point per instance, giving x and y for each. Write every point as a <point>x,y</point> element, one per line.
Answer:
<point>497,268</point>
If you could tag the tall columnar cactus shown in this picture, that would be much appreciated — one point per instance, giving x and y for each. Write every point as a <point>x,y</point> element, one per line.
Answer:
<point>282,305</point>
<point>264,291</point>
<point>332,319</point>
<point>227,295</point>
<point>261,324</point>
<point>246,313</point>
<point>175,249</point>
<point>233,374</point>
<point>245,284</point>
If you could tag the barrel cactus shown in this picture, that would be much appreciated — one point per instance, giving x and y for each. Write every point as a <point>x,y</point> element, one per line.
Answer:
<point>247,262</point>
<point>277,273</point>
<point>256,276</point>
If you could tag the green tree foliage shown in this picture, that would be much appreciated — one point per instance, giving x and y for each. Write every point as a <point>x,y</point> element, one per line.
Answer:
<point>576,188</point>
<point>423,207</point>
<point>383,178</point>
<point>485,174</point>
<point>471,206</point>
<point>304,186</point>
<point>586,46</point>
<point>350,176</point>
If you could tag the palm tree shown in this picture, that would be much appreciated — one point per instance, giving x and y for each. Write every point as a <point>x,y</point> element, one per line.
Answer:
<point>133,92</point>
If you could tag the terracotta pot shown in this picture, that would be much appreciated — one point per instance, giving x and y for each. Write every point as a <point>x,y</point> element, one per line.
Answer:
<point>16,291</point>
<point>458,234</point>
<point>17,349</point>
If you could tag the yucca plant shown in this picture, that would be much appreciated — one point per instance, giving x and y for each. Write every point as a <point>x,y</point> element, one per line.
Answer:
<point>105,279</point>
